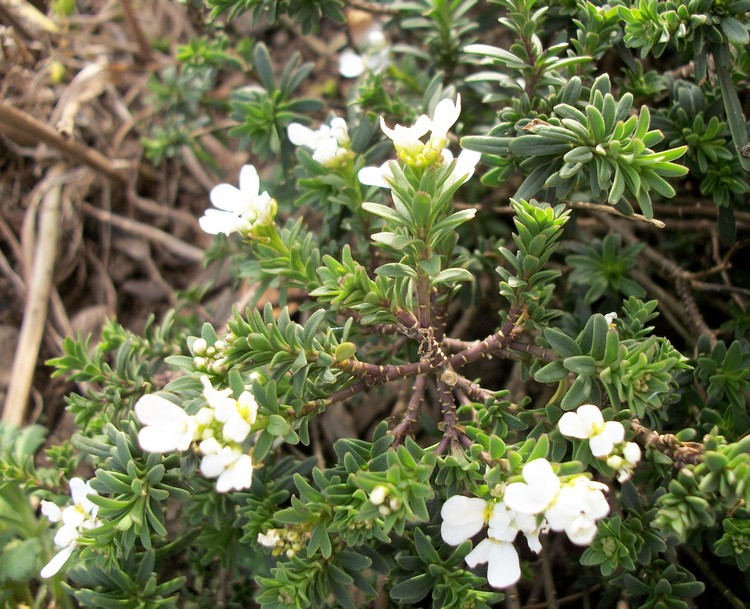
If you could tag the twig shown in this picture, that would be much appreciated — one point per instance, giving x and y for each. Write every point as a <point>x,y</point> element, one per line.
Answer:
<point>372,7</point>
<point>37,301</point>
<point>682,453</point>
<point>136,31</point>
<point>173,244</point>
<point>550,592</point>
<point>412,410</point>
<point>674,272</point>
<point>13,120</point>
<point>713,578</point>
<point>608,209</point>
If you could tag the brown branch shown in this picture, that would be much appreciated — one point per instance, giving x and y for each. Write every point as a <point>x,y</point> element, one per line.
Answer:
<point>608,209</point>
<point>372,7</point>
<point>497,342</point>
<point>407,424</point>
<point>173,244</point>
<point>682,453</point>
<point>136,31</point>
<point>13,120</point>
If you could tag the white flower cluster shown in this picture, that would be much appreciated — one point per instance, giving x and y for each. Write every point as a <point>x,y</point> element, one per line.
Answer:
<point>539,503</point>
<point>240,209</point>
<point>606,439</point>
<point>75,519</point>
<point>330,144</point>
<point>411,149</point>
<point>219,429</point>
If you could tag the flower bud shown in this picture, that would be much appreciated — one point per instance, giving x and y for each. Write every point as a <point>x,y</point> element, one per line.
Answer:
<point>199,346</point>
<point>378,495</point>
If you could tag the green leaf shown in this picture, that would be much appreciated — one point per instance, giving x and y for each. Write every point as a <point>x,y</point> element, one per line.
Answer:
<point>551,373</point>
<point>563,344</point>
<point>580,364</point>
<point>414,589</point>
<point>453,276</point>
<point>734,30</point>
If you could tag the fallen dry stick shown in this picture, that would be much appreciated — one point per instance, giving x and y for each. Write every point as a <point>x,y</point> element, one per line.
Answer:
<point>37,301</point>
<point>173,244</point>
<point>13,120</point>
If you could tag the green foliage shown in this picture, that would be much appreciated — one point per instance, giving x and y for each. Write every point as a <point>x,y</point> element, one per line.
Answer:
<point>378,308</point>
<point>264,111</point>
<point>444,27</point>
<point>527,283</point>
<point>725,372</point>
<point>602,267</point>
<point>307,12</point>
<point>735,543</point>
<point>116,371</point>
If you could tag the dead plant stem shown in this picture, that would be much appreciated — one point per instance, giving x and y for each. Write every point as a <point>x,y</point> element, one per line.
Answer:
<point>173,244</point>
<point>37,302</point>
<point>13,120</point>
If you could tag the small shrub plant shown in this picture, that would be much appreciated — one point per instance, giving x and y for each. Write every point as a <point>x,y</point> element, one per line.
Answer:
<point>587,439</point>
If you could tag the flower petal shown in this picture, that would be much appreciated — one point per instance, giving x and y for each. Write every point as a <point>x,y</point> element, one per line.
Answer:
<point>615,431</point>
<point>503,568</point>
<point>300,135</point>
<point>572,426</point>
<point>52,511</point>
<point>351,64</point>
<point>212,465</point>
<point>445,115</point>
<point>155,440</point>
<point>238,476</point>
<point>228,198</point>
<point>372,176</point>
<point>591,417</point>
<point>601,445</point>
<point>57,562</point>
<point>249,182</point>
<point>480,554</point>
<point>215,222</point>
<point>463,517</point>
<point>632,453</point>
<point>78,490</point>
<point>159,412</point>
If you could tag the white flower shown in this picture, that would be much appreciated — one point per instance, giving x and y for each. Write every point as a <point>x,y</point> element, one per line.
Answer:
<point>351,64</point>
<point>408,140</point>
<point>76,518</point>
<point>610,318</point>
<point>577,507</point>
<point>329,143</point>
<point>167,426</point>
<point>376,176</point>
<point>375,57</point>
<point>587,422</point>
<point>537,492</point>
<point>505,524</point>
<point>270,538</point>
<point>463,517</point>
<point>239,209</point>
<point>503,566</point>
<point>237,416</point>
<point>232,468</point>
<point>631,455</point>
